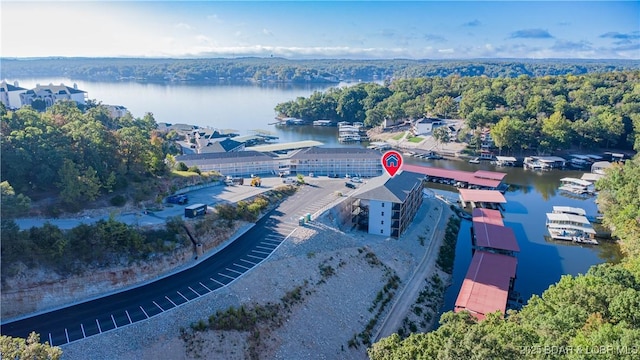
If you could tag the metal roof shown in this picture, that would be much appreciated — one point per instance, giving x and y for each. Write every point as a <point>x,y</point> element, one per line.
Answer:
<point>286,146</point>
<point>485,288</point>
<point>392,189</point>
<point>457,175</point>
<point>506,158</point>
<point>226,157</point>
<point>490,196</point>
<point>575,181</point>
<point>568,217</point>
<point>488,216</point>
<point>334,153</point>
<point>495,236</point>
<point>569,210</point>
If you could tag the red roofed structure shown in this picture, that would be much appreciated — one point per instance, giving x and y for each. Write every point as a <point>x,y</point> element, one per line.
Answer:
<point>484,196</point>
<point>486,286</point>
<point>487,216</point>
<point>494,238</point>
<point>486,179</point>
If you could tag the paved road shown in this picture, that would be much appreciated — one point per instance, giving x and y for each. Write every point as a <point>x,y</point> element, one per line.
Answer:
<point>246,252</point>
<point>407,297</point>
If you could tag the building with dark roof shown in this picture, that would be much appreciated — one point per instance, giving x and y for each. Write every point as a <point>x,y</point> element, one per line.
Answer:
<point>52,93</point>
<point>386,205</point>
<point>237,163</point>
<point>337,162</point>
<point>10,95</point>
<point>222,145</point>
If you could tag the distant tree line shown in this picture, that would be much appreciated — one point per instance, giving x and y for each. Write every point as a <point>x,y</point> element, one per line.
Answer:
<point>544,114</point>
<point>292,71</point>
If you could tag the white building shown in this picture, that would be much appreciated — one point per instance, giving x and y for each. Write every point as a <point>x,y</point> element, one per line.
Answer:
<point>386,206</point>
<point>116,111</point>
<point>10,95</point>
<point>52,93</point>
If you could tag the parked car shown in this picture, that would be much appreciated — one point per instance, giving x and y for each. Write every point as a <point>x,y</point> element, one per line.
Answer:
<point>350,185</point>
<point>356,180</point>
<point>178,199</point>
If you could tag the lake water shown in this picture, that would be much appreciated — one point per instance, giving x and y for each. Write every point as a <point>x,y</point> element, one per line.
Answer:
<point>249,108</point>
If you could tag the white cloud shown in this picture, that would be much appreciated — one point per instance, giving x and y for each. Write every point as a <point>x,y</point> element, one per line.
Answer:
<point>183,26</point>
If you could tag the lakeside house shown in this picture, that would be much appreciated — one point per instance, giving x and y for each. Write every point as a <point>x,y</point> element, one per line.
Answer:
<point>49,94</point>
<point>10,95</point>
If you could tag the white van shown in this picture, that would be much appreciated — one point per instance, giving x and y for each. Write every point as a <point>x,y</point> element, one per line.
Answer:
<point>289,180</point>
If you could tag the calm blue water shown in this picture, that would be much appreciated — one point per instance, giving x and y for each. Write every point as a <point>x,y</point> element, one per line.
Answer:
<point>249,108</point>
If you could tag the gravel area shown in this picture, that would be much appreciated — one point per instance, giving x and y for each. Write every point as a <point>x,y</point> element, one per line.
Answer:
<point>334,308</point>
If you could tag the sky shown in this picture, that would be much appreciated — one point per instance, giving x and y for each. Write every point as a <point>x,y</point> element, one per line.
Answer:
<point>322,29</point>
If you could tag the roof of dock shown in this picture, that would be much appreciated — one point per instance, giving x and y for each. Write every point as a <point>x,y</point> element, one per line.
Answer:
<point>495,236</point>
<point>485,288</point>
<point>487,196</point>
<point>480,178</point>
<point>487,216</point>
<point>286,146</point>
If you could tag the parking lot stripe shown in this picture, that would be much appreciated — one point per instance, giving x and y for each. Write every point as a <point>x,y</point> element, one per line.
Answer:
<point>204,286</point>
<point>242,266</point>
<point>219,283</point>
<point>174,304</point>
<point>51,340</point>
<point>266,248</point>
<point>114,321</point>
<point>247,261</point>
<point>182,296</point>
<point>99,328</point>
<point>66,333</point>
<point>261,252</point>
<point>127,312</point>
<point>227,276</point>
<point>145,313</point>
<point>83,333</point>
<point>159,307</point>
<point>235,271</point>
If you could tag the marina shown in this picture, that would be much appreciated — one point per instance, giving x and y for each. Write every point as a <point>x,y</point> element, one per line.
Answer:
<point>576,186</point>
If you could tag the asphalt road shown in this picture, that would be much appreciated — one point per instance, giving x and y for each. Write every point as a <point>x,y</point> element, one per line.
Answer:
<point>108,313</point>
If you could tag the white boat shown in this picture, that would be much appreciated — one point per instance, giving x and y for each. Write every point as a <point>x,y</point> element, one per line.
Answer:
<point>576,186</point>
<point>475,161</point>
<point>570,224</point>
<point>349,138</point>
<point>322,123</point>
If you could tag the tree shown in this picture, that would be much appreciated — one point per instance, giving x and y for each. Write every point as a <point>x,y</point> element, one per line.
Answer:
<point>441,134</point>
<point>557,131</point>
<point>12,205</point>
<point>444,106</point>
<point>509,132</point>
<point>30,348</point>
<point>77,187</point>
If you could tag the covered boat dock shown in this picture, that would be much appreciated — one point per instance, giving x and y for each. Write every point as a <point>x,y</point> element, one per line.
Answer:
<point>479,179</point>
<point>486,286</point>
<point>491,199</point>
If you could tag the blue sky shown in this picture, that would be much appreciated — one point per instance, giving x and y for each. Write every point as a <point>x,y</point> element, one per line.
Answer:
<point>323,29</point>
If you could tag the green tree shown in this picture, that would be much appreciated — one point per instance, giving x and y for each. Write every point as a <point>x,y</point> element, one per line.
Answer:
<point>12,205</point>
<point>29,348</point>
<point>444,106</point>
<point>77,187</point>
<point>557,131</point>
<point>441,134</point>
<point>509,132</point>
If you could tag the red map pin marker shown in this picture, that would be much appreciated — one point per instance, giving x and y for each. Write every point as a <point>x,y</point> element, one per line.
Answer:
<point>391,162</point>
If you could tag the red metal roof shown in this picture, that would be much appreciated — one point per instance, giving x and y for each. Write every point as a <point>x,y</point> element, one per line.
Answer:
<point>495,236</point>
<point>487,216</point>
<point>489,196</point>
<point>457,175</point>
<point>493,175</point>
<point>485,288</point>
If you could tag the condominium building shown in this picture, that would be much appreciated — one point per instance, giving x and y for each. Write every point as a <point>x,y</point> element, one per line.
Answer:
<point>386,205</point>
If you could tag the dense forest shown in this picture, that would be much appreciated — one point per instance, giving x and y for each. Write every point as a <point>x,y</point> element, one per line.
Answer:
<point>590,316</point>
<point>281,70</point>
<point>541,114</point>
<point>77,155</point>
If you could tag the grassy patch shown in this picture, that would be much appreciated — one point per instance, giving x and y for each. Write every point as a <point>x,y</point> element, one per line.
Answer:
<point>415,139</point>
<point>398,136</point>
